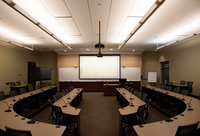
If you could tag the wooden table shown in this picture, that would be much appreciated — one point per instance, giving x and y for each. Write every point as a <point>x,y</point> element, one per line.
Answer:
<point>163,128</point>
<point>13,120</point>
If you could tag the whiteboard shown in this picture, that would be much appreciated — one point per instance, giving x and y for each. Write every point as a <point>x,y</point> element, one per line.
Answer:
<point>152,76</point>
<point>72,74</point>
<point>68,74</point>
<point>131,73</point>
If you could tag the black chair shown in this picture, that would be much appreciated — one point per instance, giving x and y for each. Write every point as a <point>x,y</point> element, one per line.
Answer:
<point>187,130</point>
<point>2,95</point>
<point>58,114</point>
<point>176,89</point>
<point>37,87</point>
<point>16,132</point>
<point>182,82</point>
<point>184,92</point>
<point>30,88</point>
<point>51,113</point>
<point>59,94</point>
<point>13,93</point>
<point>18,83</point>
<point>55,98</point>
<point>143,96</point>
<point>190,83</point>
<point>139,94</point>
<point>22,90</point>
<point>12,84</point>
<point>135,92</point>
<point>168,88</point>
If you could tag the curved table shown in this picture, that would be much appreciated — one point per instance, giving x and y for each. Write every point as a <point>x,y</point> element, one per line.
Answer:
<point>13,120</point>
<point>130,104</point>
<point>163,128</point>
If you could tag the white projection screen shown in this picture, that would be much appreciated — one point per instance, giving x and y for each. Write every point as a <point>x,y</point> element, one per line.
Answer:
<point>93,67</point>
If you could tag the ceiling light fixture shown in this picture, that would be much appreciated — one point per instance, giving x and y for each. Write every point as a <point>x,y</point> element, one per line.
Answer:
<point>35,22</point>
<point>177,41</point>
<point>149,13</point>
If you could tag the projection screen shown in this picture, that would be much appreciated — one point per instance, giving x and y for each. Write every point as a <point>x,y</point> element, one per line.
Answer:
<point>93,67</point>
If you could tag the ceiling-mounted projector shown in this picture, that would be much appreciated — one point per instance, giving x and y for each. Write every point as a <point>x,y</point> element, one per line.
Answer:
<point>99,45</point>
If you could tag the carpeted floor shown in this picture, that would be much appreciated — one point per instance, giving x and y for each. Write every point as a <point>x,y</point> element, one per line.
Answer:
<point>99,115</point>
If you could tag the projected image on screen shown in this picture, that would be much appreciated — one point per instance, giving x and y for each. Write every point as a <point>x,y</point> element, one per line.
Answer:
<point>93,67</point>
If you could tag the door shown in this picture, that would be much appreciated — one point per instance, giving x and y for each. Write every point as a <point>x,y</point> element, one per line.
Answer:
<point>164,72</point>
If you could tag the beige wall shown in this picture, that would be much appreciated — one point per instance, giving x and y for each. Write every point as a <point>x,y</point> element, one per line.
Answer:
<point>149,64</point>
<point>14,64</point>
<point>183,62</point>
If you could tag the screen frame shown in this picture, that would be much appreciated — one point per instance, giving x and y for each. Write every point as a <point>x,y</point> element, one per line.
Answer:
<point>119,67</point>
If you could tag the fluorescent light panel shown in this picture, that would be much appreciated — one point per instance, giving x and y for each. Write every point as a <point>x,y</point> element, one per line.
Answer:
<point>44,17</point>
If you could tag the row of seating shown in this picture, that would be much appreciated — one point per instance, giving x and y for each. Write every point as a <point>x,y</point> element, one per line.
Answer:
<point>58,116</point>
<point>175,89</point>
<point>143,112</point>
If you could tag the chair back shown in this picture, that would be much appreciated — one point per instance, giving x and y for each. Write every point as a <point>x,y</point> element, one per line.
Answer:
<point>16,132</point>
<point>30,88</point>
<point>2,95</point>
<point>184,92</point>
<point>22,90</point>
<point>176,89</point>
<point>169,88</point>
<point>55,98</point>
<point>37,87</point>
<point>12,84</point>
<point>58,113</point>
<point>18,83</point>
<point>187,130</point>
<point>13,93</point>
<point>141,112</point>
<point>139,94</point>
<point>143,96</point>
<point>59,94</point>
<point>131,90</point>
<point>182,82</point>
<point>135,92</point>
<point>190,83</point>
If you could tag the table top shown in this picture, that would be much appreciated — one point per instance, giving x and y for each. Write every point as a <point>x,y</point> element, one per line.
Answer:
<point>180,85</point>
<point>169,128</point>
<point>13,120</point>
<point>64,100</point>
<point>136,102</point>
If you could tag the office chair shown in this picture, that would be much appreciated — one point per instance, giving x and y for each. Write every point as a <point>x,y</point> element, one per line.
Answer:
<point>135,92</point>
<point>176,89</point>
<point>2,95</point>
<point>143,96</point>
<point>190,83</point>
<point>58,114</point>
<point>59,94</point>
<point>182,82</point>
<point>13,93</point>
<point>147,115</point>
<point>30,88</point>
<point>187,130</point>
<point>16,132</point>
<point>64,92</point>
<point>67,90</point>
<point>18,83</point>
<point>37,87</point>
<point>139,94</point>
<point>22,90</point>
<point>51,113</point>
<point>131,90</point>
<point>184,92</point>
<point>12,84</point>
<point>169,88</point>
<point>55,98</point>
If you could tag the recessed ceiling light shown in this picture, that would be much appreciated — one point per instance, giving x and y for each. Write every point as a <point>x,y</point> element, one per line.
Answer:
<point>87,49</point>
<point>111,49</point>
<point>65,50</point>
<point>133,50</point>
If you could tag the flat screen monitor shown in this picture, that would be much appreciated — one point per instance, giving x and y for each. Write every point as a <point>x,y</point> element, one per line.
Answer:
<point>42,73</point>
<point>122,81</point>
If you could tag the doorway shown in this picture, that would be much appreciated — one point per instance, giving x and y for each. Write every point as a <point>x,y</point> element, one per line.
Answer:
<point>164,72</point>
